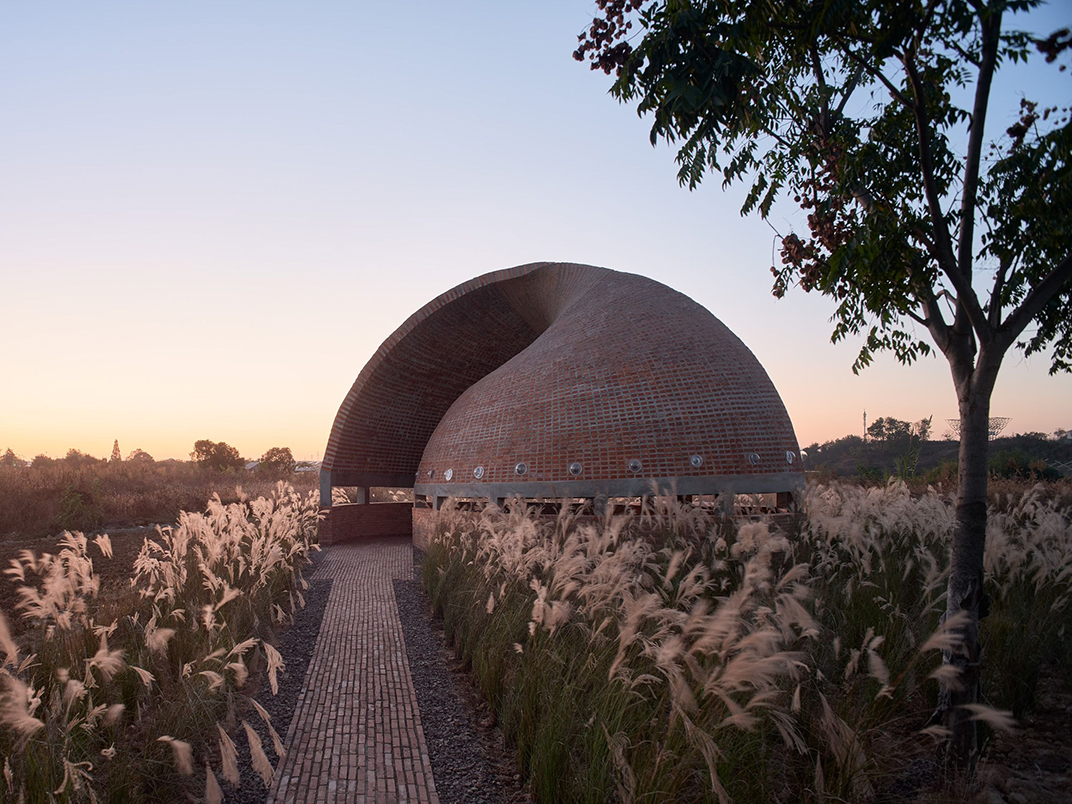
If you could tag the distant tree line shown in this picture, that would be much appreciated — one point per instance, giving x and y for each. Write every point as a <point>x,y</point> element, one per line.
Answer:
<point>220,456</point>
<point>276,462</point>
<point>894,430</point>
<point>213,455</point>
<point>905,450</point>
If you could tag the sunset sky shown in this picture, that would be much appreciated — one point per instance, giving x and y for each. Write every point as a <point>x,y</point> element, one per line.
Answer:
<point>211,214</point>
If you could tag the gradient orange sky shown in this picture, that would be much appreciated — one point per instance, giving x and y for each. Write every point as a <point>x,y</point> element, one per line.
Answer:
<point>212,214</point>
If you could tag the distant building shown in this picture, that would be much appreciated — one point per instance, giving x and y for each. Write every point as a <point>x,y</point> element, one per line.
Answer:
<point>251,465</point>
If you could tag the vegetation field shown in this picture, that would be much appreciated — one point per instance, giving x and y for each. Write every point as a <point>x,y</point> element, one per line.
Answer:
<point>1020,457</point>
<point>81,493</point>
<point>669,657</point>
<point>665,656</point>
<point>138,691</point>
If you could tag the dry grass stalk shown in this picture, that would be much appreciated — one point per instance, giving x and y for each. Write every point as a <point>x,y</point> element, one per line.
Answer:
<point>202,594</point>
<point>261,764</point>
<point>820,637</point>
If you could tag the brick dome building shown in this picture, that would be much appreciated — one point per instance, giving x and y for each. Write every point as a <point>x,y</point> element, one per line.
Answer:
<point>559,380</point>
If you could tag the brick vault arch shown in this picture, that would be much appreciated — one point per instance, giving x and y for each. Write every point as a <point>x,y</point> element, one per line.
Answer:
<point>558,379</point>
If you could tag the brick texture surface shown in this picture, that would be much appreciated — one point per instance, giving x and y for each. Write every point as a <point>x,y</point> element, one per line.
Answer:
<point>424,525</point>
<point>628,370</point>
<point>356,733</point>
<point>343,523</point>
<point>553,364</point>
<point>417,373</point>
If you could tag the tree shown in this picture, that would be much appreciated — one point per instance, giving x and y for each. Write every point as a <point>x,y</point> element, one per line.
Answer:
<point>876,431</point>
<point>277,462</point>
<point>10,459</point>
<point>888,429</point>
<point>922,428</point>
<point>854,110</point>
<point>78,459</point>
<point>140,456</point>
<point>221,456</point>
<point>117,456</point>
<point>894,430</point>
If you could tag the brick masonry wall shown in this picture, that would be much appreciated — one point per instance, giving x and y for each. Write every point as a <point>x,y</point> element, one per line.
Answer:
<point>552,364</point>
<point>629,370</point>
<point>424,525</point>
<point>413,378</point>
<point>365,522</point>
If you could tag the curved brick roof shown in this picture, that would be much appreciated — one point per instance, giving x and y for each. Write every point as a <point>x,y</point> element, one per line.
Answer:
<point>553,364</point>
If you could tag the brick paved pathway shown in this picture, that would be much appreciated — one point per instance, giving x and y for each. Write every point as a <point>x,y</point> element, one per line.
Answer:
<point>356,732</point>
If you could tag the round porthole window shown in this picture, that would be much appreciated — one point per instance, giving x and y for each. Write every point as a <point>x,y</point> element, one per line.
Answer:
<point>521,469</point>
<point>447,475</point>
<point>635,466</point>
<point>478,472</point>
<point>575,468</point>
<point>696,461</point>
<point>753,458</point>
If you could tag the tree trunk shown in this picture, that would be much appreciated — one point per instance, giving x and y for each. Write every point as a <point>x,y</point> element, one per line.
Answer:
<point>965,591</point>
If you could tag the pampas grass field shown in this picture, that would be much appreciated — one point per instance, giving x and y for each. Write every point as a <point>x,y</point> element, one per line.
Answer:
<point>670,656</point>
<point>42,500</point>
<point>651,656</point>
<point>138,696</point>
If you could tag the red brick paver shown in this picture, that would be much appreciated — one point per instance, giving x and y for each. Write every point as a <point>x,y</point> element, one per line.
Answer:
<point>356,732</point>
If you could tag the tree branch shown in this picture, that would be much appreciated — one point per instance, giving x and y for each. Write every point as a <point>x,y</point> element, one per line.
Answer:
<point>778,138</point>
<point>817,69</point>
<point>991,31</point>
<point>894,91</point>
<point>917,318</point>
<point>1037,298</point>
<point>823,123</point>
<point>849,89</point>
<point>968,57</point>
<point>935,321</point>
<point>925,20</point>
<point>967,300</point>
<point>995,294</point>
<point>921,236</point>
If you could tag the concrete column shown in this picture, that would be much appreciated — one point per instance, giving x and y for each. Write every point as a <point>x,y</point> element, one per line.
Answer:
<point>325,488</point>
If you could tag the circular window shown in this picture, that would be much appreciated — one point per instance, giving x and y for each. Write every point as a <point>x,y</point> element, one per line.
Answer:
<point>521,469</point>
<point>447,475</point>
<point>575,468</point>
<point>696,461</point>
<point>478,472</point>
<point>635,466</point>
<point>753,458</point>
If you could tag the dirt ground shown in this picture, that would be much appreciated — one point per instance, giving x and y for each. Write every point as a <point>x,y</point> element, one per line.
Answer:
<point>1034,764</point>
